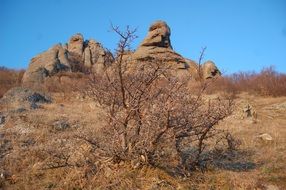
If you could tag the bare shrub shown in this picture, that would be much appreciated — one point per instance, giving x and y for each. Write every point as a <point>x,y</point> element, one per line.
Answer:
<point>152,116</point>
<point>66,82</point>
<point>9,78</point>
<point>268,82</point>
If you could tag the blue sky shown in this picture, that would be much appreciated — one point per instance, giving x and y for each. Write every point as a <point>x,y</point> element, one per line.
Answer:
<point>240,35</point>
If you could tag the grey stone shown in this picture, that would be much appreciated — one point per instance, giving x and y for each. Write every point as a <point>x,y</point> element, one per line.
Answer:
<point>265,137</point>
<point>20,110</point>
<point>20,99</point>
<point>46,64</point>
<point>38,98</point>
<point>2,119</point>
<point>61,125</point>
<point>72,57</point>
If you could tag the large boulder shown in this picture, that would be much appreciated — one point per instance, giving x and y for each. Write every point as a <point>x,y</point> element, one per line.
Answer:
<point>75,45</point>
<point>46,64</point>
<point>157,46</point>
<point>210,70</point>
<point>77,55</point>
<point>158,35</point>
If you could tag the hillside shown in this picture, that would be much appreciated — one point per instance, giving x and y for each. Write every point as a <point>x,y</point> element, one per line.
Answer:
<point>32,140</point>
<point>81,117</point>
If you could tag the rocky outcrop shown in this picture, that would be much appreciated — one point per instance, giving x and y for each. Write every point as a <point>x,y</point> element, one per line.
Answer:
<point>157,46</point>
<point>95,56</point>
<point>75,45</point>
<point>158,35</point>
<point>46,64</point>
<point>210,70</point>
<point>74,56</point>
<point>82,55</point>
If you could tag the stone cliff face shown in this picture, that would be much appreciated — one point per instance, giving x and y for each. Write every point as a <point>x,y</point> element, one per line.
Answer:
<point>79,53</point>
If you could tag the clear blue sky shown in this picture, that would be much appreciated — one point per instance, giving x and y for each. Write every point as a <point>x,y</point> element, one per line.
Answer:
<point>240,35</point>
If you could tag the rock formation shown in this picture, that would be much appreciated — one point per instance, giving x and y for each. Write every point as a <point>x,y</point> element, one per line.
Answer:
<point>79,54</point>
<point>70,57</point>
<point>75,45</point>
<point>47,63</point>
<point>157,46</point>
<point>210,70</point>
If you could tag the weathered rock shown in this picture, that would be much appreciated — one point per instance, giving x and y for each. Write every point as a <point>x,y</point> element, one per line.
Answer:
<point>61,125</point>
<point>265,137</point>
<point>88,55</point>
<point>193,68</point>
<point>87,58</point>
<point>157,46</point>
<point>2,119</point>
<point>36,97</point>
<point>70,57</point>
<point>158,35</point>
<point>21,99</point>
<point>271,187</point>
<point>210,70</point>
<point>34,106</point>
<point>248,111</point>
<point>46,64</point>
<point>19,110</point>
<point>97,52</point>
<point>75,44</point>
<point>96,57</point>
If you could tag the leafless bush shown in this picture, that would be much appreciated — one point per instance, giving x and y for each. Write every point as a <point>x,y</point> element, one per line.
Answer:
<point>66,82</point>
<point>152,115</point>
<point>9,78</point>
<point>268,82</point>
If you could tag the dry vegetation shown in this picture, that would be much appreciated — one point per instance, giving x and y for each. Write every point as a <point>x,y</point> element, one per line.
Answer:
<point>9,78</point>
<point>267,82</point>
<point>55,148</point>
<point>146,129</point>
<point>154,118</point>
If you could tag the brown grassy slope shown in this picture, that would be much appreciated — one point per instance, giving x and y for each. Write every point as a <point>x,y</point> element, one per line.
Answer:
<point>9,78</point>
<point>31,144</point>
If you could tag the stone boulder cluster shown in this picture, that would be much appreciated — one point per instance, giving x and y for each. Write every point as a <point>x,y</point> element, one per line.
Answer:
<point>79,53</point>
<point>76,54</point>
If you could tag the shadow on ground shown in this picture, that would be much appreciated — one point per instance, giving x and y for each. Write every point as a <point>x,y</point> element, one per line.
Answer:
<point>234,161</point>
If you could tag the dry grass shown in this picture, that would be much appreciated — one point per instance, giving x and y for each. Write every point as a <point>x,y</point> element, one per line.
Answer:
<point>9,78</point>
<point>29,143</point>
<point>268,157</point>
<point>35,154</point>
<point>66,82</point>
